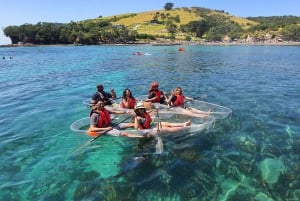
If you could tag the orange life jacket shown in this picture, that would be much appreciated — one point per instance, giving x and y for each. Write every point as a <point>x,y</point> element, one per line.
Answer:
<point>146,121</point>
<point>179,100</point>
<point>157,96</point>
<point>104,119</point>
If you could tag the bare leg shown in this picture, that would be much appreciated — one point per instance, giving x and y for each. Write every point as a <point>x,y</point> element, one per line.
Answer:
<point>200,111</point>
<point>130,125</point>
<point>174,130</point>
<point>124,134</point>
<point>167,124</point>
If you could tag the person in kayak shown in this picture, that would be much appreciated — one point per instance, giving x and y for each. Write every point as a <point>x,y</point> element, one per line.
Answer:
<point>100,94</point>
<point>177,98</point>
<point>155,95</point>
<point>128,100</point>
<point>100,122</point>
<point>143,121</point>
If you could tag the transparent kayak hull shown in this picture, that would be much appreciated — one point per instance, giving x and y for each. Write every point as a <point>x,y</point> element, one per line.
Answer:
<point>214,110</point>
<point>197,108</point>
<point>198,124</point>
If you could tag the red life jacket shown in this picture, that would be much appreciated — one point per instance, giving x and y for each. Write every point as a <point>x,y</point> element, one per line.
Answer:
<point>131,102</point>
<point>179,100</point>
<point>157,96</point>
<point>146,121</point>
<point>103,119</point>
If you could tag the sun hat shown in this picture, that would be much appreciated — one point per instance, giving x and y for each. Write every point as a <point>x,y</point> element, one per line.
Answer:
<point>154,84</point>
<point>139,105</point>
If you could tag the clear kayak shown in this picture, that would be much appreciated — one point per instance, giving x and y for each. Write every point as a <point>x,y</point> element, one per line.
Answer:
<point>197,124</point>
<point>214,110</point>
<point>197,108</point>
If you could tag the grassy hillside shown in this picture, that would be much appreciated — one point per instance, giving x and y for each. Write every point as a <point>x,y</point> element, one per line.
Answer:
<point>141,21</point>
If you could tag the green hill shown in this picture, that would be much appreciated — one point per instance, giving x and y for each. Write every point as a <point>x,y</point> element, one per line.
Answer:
<point>154,22</point>
<point>178,25</point>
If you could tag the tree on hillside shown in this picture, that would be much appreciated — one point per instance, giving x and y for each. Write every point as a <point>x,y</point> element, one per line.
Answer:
<point>168,6</point>
<point>13,32</point>
<point>171,27</point>
<point>291,32</point>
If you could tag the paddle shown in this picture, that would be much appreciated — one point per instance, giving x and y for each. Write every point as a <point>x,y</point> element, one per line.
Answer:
<point>159,147</point>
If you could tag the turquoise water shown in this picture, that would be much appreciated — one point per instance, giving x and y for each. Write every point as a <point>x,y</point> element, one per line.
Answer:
<point>254,155</point>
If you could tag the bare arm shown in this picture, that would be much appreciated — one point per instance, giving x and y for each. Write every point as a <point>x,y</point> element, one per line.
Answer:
<point>136,122</point>
<point>188,98</point>
<point>169,102</point>
<point>150,99</point>
<point>113,93</point>
<point>125,103</point>
<point>93,128</point>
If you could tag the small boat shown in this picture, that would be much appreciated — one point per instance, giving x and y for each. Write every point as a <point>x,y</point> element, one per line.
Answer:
<point>197,125</point>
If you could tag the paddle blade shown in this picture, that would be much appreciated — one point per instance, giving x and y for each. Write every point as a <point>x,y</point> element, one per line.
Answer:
<point>80,149</point>
<point>159,147</point>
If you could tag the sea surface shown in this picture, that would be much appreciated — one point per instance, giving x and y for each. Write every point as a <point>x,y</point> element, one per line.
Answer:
<point>251,155</point>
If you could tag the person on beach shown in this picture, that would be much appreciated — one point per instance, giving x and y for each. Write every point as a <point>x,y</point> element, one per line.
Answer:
<point>102,95</point>
<point>143,121</point>
<point>155,95</point>
<point>100,122</point>
<point>177,98</point>
<point>128,100</point>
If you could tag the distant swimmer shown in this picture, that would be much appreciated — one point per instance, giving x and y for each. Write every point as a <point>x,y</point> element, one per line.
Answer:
<point>181,49</point>
<point>8,58</point>
<point>137,53</point>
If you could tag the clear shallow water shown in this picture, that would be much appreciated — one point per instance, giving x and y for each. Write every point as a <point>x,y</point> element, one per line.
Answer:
<point>254,155</point>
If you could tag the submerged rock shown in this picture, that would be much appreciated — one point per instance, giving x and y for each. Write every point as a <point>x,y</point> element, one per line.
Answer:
<point>271,169</point>
<point>262,197</point>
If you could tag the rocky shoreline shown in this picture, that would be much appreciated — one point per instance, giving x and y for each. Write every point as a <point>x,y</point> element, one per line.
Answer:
<point>174,43</point>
